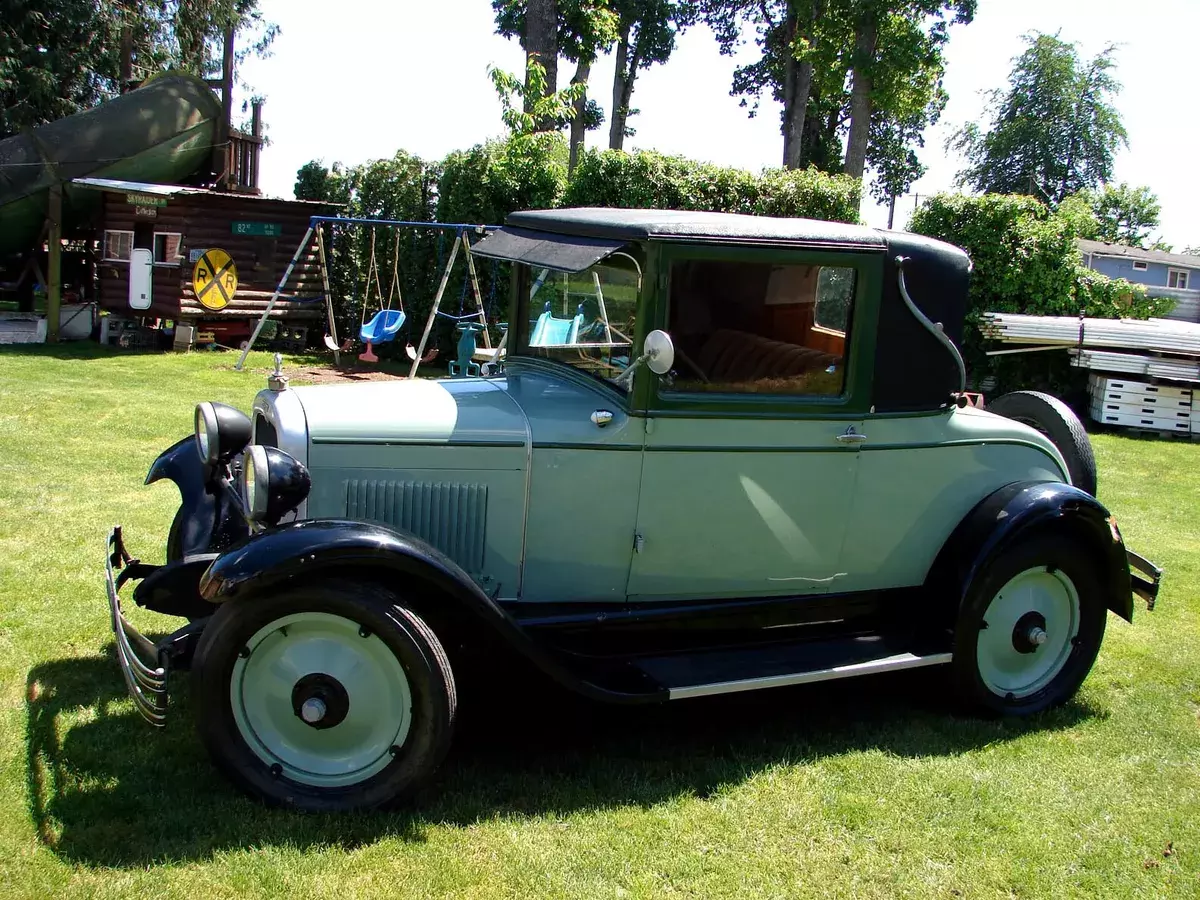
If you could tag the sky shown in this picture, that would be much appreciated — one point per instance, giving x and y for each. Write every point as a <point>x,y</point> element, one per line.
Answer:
<point>378,77</point>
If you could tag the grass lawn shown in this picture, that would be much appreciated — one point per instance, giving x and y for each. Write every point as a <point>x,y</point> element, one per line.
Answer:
<point>868,788</point>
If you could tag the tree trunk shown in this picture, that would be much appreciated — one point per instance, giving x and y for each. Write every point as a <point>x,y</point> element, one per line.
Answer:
<point>616,119</point>
<point>583,69</point>
<point>541,43</point>
<point>797,86</point>
<point>860,97</point>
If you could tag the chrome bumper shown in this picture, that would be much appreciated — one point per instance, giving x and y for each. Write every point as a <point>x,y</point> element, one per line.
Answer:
<point>143,666</point>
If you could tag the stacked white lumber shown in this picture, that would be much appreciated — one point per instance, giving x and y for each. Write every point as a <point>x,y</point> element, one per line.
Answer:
<point>1135,364</point>
<point>1136,404</point>
<point>1153,335</point>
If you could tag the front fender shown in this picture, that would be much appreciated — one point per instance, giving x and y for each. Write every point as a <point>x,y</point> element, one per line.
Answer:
<point>306,549</point>
<point>209,516</point>
<point>1016,510</point>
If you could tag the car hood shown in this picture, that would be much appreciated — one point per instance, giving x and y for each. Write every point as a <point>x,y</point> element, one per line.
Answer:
<point>420,411</point>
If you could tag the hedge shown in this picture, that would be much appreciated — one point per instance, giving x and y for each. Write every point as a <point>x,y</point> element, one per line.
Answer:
<point>649,180</point>
<point>1026,260</point>
<point>490,180</point>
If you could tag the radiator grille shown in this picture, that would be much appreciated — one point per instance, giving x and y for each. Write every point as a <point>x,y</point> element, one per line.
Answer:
<point>452,517</point>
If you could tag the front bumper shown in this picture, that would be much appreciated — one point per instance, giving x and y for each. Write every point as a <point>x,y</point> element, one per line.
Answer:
<point>1145,576</point>
<point>143,664</point>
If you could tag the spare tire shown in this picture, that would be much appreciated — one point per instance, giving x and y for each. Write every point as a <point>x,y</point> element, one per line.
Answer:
<point>1055,420</point>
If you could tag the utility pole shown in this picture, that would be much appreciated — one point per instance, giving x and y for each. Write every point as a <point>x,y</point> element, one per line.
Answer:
<point>891,212</point>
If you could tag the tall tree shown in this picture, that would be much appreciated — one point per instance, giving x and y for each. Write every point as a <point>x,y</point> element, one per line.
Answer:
<point>646,31</point>
<point>890,53</point>
<point>585,28</point>
<point>1124,214</point>
<point>59,57</point>
<point>1053,131</point>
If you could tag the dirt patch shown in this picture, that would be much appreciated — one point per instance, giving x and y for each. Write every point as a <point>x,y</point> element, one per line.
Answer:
<point>310,372</point>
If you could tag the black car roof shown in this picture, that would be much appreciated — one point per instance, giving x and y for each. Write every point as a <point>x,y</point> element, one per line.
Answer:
<point>667,224</point>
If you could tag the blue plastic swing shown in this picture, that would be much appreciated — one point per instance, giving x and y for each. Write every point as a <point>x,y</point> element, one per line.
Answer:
<point>551,332</point>
<point>383,327</point>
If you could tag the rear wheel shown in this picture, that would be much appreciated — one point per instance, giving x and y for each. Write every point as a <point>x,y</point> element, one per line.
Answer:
<point>326,698</point>
<point>1055,420</point>
<point>1030,627</point>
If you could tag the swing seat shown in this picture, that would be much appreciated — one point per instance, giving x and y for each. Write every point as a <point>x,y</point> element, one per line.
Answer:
<point>382,327</point>
<point>551,332</point>
<point>430,354</point>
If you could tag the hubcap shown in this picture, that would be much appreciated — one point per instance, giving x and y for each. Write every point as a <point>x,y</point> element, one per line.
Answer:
<point>1032,624</point>
<point>320,699</point>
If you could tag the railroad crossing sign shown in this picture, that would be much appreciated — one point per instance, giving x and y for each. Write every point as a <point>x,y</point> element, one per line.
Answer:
<point>214,279</point>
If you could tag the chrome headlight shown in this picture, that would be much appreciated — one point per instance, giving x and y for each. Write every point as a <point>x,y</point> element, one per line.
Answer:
<point>221,431</point>
<point>273,484</point>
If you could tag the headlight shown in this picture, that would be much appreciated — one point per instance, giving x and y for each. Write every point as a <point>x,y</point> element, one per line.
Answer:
<point>221,431</point>
<point>273,484</point>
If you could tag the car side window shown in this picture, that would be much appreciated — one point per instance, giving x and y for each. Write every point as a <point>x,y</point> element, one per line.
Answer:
<point>761,328</point>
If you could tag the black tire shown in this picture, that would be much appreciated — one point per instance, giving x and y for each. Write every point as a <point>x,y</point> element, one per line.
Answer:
<point>1064,554</point>
<point>379,613</point>
<point>1053,418</point>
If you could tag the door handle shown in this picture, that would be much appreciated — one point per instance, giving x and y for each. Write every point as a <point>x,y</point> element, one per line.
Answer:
<point>850,436</point>
<point>601,417</point>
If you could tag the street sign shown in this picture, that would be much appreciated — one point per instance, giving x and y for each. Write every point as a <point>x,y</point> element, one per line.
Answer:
<point>145,200</point>
<point>258,229</point>
<point>195,254</point>
<point>214,279</point>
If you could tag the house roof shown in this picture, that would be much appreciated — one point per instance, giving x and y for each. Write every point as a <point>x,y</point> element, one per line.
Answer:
<point>668,225</point>
<point>1121,251</point>
<point>175,190</point>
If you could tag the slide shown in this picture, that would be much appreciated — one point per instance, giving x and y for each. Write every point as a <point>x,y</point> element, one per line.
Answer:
<point>162,132</point>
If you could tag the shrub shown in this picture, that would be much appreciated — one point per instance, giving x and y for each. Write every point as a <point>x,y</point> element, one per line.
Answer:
<point>1026,261</point>
<point>648,180</point>
<point>484,184</point>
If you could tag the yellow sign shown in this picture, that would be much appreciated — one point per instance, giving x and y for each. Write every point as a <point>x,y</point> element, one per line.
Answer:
<point>214,279</point>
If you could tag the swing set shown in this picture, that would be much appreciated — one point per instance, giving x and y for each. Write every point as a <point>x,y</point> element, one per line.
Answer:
<point>388,321</point>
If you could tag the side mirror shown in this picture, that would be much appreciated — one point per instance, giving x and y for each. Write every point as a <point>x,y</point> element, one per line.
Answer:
<point>658,355</point>
<point>659,352</point>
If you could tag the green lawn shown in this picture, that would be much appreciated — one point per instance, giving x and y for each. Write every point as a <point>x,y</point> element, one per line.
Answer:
<point>869,788</point>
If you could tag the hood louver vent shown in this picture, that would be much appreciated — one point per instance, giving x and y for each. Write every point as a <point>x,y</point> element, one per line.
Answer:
<point>452,517</point>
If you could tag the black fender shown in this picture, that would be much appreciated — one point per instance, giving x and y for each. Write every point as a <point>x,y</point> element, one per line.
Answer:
<point>1016,510</point>
<point>303,550</point>
<point>210,515</point>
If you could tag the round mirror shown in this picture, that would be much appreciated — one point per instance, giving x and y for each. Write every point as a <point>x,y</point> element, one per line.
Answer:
<point>660,352</point>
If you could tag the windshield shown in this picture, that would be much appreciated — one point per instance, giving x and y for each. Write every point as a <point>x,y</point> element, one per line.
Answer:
<point>584,319</point>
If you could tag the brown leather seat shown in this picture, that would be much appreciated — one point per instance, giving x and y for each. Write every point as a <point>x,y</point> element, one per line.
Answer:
<point>730,355</point>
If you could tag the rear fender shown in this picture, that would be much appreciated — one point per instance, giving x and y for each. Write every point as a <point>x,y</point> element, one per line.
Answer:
<point>298,552</point>
<point>1012,513</point>
<point>210,516</point>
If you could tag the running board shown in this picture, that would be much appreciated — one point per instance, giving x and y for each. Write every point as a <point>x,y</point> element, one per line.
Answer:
<point>894,663</point>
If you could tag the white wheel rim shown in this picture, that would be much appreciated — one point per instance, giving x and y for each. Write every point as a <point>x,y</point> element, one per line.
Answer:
<point>263,694</point>
<point>1039,604</point>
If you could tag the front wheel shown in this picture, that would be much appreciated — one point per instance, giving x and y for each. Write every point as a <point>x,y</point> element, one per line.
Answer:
<point>326,698</point>
<point>1030,627</point>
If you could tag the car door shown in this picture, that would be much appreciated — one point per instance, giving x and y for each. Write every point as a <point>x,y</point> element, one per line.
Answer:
<point>751,447</point>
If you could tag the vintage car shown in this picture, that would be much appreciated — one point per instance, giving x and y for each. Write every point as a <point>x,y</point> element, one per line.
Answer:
<point>720,453</point>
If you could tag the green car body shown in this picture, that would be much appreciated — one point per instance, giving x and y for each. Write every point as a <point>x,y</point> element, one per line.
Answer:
<point>719,453</point>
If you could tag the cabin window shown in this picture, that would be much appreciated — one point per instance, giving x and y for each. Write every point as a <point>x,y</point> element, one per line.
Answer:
<point>1177,278</point>
<point>166,248</point>
<point>118,245</point>
<point>760,328</point>
<point>1140,267</point>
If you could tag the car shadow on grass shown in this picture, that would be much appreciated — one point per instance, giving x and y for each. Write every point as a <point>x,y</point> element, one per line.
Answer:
<point>107,790</point>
